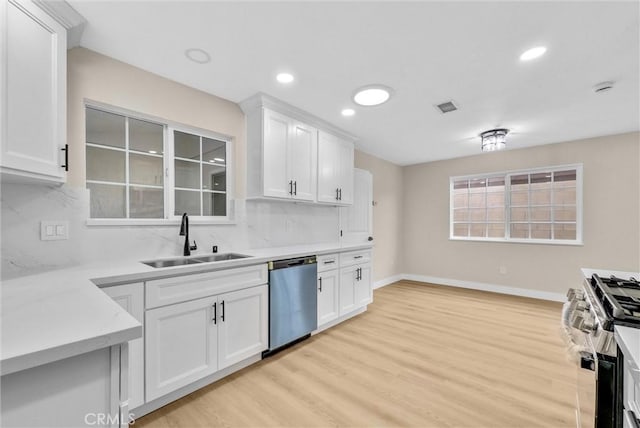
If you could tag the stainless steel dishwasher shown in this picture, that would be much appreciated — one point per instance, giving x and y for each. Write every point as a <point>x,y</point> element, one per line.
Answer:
<point>293,301</point>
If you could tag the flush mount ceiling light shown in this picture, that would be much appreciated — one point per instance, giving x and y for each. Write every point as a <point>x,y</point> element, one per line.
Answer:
<point>533,53</point>
<point>284,77</point>
<point>198,55</point>
<point>348,112</point>
<point>372,95</point>
<point>494,139</point>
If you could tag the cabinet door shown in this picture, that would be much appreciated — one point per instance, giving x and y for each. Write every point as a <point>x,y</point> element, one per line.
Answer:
<point>243,324</point>
<point>181,345</point>
<point>347,289</point>
<point>328,168</point>
<point>362,286</point>
<point>34,71</point>
<point>131,298</point>
<point>276,135</point>
<point>345,171</point>
<point>356,221</point>
<point>302,161</point>
<point>328,290</point>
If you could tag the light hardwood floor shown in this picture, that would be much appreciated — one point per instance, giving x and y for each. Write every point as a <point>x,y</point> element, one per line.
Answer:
<point>422,355</point>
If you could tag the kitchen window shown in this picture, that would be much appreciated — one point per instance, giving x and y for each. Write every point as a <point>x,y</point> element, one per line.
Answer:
<point>535,206</point>
<point>149,171</point>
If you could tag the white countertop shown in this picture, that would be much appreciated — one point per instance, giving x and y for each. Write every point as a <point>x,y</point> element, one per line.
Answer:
<point>61,313</point>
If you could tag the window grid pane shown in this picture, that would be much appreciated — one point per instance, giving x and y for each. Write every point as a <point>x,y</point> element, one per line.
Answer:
<point>200,172</point>
<point>541,205</point>
<point>109,159</point>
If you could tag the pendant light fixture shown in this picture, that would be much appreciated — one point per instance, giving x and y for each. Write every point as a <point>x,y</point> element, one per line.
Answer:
<point>494,139</point>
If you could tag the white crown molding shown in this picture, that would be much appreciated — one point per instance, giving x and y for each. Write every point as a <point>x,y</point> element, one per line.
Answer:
<point>263,100</point>
<point>67,16</point>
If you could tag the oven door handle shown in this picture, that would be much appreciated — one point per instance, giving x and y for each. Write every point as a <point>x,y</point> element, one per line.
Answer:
<point>632,421</point>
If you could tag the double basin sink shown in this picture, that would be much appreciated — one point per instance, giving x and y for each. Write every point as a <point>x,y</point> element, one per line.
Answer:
<point>182,261</point>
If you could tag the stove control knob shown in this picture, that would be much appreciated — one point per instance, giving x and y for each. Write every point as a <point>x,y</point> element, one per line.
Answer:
<point>582,305</point>
<point>577,320</point>
<point>588,324</point>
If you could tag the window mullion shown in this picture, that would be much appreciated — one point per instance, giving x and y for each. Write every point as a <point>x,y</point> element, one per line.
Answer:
<point>201,183</point>
<point>507,206</point>
<point>127,174</point>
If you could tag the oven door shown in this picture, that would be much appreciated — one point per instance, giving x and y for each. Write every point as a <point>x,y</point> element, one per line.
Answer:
<point>586,390</point>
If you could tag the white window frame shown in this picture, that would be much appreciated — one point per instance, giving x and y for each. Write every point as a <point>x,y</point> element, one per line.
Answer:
<point>507,205</point>
<point>171,170</point>
<point>169,173</point>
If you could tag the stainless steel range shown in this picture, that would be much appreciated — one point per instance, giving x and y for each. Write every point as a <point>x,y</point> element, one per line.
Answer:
<point>589,317</point>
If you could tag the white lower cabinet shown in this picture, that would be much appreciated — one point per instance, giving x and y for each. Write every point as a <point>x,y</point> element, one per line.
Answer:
<point>188,341</point>
<point>243,330</point>
<point>181,345</point>
<point>328,296</point>
<point>131,298</point>
<point>363,294</point>
<point>355,287</point>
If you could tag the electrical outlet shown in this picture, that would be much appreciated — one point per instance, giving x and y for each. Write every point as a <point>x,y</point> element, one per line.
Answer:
<point>503,270</point>
<point>54,230</point>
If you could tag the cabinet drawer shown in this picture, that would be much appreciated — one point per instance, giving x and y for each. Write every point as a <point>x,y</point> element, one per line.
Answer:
<point>327,262</point>
<point>167,291</point>
<point>355,257</point>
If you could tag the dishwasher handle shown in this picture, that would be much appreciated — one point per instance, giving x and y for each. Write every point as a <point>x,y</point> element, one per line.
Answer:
<point>283,264</point>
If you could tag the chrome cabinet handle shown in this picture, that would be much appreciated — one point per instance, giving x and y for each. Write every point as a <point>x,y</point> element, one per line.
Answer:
<point>320,281</point>
<point>295,187</point>
<point>337,194</point>
<point>357,257</point>
<point>340,193</point>
<point>291,187</point>
<point>215,314</point>
<point>328,262</point>
<point>222,304</point>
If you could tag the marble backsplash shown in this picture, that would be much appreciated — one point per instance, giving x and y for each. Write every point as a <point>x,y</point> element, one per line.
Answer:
<point>258,224</point>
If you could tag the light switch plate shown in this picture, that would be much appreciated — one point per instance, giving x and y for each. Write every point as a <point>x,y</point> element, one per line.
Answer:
<point>54,230</point>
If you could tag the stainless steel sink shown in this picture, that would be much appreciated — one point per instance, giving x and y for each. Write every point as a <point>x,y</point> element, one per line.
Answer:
<point>194,260</point>
<point>171,262</point>
<point>221,257</point>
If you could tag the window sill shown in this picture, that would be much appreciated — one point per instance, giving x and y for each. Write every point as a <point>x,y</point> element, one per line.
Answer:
<point>156,222</point>
<point>520,241</point>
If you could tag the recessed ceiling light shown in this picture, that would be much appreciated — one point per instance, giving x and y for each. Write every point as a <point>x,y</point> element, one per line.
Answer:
<point>348,112</point>
<point>372,95</point>
<point>533,53</point>
<point>198,55</point>
<point>284,78</point>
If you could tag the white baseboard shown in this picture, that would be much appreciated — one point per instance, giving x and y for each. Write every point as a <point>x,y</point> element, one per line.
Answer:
<point>388,280</point>
<point>502,289</point>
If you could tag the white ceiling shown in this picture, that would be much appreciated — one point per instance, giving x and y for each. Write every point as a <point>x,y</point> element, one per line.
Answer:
<point>429,52</point>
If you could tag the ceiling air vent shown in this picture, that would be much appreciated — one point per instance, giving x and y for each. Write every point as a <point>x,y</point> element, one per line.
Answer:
<point>447,107</point>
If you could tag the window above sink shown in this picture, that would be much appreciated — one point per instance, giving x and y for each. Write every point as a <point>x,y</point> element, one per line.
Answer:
<point>142,170</point>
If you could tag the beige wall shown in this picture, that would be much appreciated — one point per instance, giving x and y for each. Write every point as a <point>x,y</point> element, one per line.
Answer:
<point>387,214</point>
<point>611,218</point>
<point>96,77</point>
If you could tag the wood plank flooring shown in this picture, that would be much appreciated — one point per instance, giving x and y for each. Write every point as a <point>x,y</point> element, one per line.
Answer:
<point>422,355</point>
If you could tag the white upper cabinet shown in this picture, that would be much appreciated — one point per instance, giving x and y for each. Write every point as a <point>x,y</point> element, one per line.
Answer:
<point>33,76</point>
<point>282,154</point>
<point>288,163</point>
<point>335,169</point>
